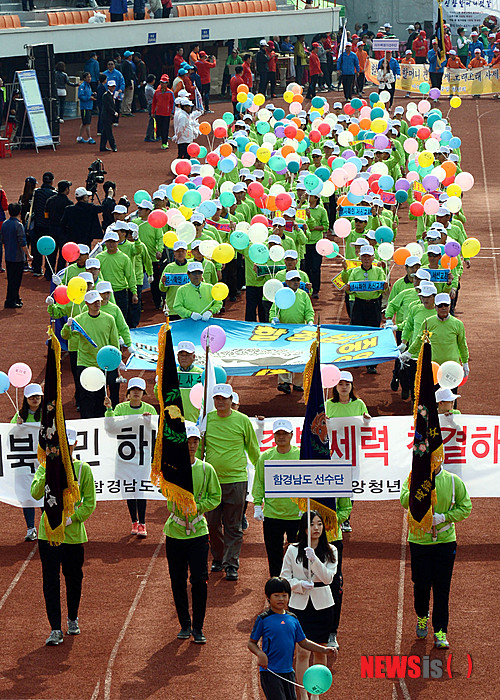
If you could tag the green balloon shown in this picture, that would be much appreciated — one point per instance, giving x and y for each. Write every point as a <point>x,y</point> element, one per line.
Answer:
<point>191,199</point>
<point>227,199</point>
<point>228,117</point>
<point>277,163</point>
<point>259,253</point>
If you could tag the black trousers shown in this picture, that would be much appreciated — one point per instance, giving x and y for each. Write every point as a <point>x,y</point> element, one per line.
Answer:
<point>274,530</point>
<point>229,277</point>
<point>254,303</point>
<point>70,558</point>
<point>397,364</point>
<point>313,83</point>
<point>432,568</point>
<point>347,84</point>
<point>115,17</point>
<point>155,290</point>
<point>360,82</point>
<point>312,266</point>
<point>205,95</point>
<point>191,553</point>
<point>332,210</point>
<point>37,233</point>
<point>182,149</point>
<point>73,355</point>
<point>107,135</point>
<point>407,376</point>
<point>137,509</point>
<point>121,300</point>
<point>92,402</point>
<point>57,263</point>
<point>337,586</point>
<point>262,82</point>
<point>277,689</point>
<point>366,312</point>
<point>134,310</point>
<point>271,81</point>
<point>162,128</point>
<point>436,79</point>
<point>14,278</point>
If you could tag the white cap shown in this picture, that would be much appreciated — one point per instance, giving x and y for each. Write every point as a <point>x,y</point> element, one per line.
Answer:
<point>434,249</point>
<point>217,203</point>
<point>87,276</point>
<point>348,43</point>
<point>120,209</point>
<point>196,244</point>
<point>274,239</point>
<point>33,390</point>
<point>408,52</point>
<point>361,217</point>
<point>452,52</point>
<point>410,26</point>
<point>258,172</point>
<point>225,390</point>
<point>329,144</point>
<point>92,262</point>
<point>239,187</point>
<point>292,275</point>
<point>433,233</point>
<point>422,274</point>
<point>180,244</point>
<point>361,241</point>
<point>427,290</point>
<point>366,250</point>
<point>159,194</point>
<point>438,225</point>
<point>146,204</point>
<point>186,346</point>
<point>132,226</point>
<point>71,436</point>
<point>111,83</point>
<point>337,105</point>
<point>103,287</point>
<point>119,226</point>
<point>291,254</point>
<point>290,212</point>
<point>412,260</point>
<point>84,249</point>
<point>316,152</point>
<point>370,235</point>
<point>263,42</point>
<point>279,221</point>
<point>184,102</point>
<point>192,430</point>
<point>282,424</point>
<point>92,297</point>
<point>236,398</point>
<point>442,298</point>
<point>446,395</point>
<point>304,160</point>
<point>81,192</point>
<point>443,211</point>
<point>346,376</point>
<point>136,383</point>
<point>244,171</point>
<point>110,236</point>
<point>197,218</point>
<point>195,267</point>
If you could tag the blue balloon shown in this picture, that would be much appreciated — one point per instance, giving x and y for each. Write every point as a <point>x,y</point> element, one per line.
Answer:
<point>241,142</point>
<point>239,240</point>
<point>109,358</point>
<point>446,136</point>
<point>263,127</point>
<point>220,375</point>
<point>377,112</point>
<point>401,196</point>
<point>354,198</point>
<point>338,162</point>
<point>225,165</point>
<point>311,182</point>
<point>373,97</point>
<point>356,161</point>
<point>384,234</point>
<point>412,131</point>
<point>285,298</point>
<point>279,114</point>
<point>293,166</point>
<point>207,208</point>
<point>323,173</point>
<point>253,148</point>
<point>46,245</point>
<point>455,142</point>
<point>386,183</point>
<point>4,383</point>
<point>318,102</point>
<point>168,191</point>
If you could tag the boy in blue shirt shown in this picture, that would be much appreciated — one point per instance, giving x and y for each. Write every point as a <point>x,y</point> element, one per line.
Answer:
<point>280,632</point>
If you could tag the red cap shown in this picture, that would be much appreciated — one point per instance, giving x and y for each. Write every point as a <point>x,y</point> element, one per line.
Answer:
<point>203,54</point>
<point>270,44</point>
<point>422,32</point>
<point>315,45</point>
<point>164,78</point>
<point>355,36</point>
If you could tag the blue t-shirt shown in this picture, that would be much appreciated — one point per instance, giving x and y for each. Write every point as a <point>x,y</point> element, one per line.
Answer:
<point>280,634</point>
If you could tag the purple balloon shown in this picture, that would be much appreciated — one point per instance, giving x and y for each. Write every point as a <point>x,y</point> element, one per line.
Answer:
<point>381,141</point>
<point>402,184</point>
<point>452,249</point>
<point>279,132</point>
<point>282,172</point>
<point>434,93</point>
<point>348,154</point>
<point>430,182</point>
<point>197,181</point>
<point>217,338</point>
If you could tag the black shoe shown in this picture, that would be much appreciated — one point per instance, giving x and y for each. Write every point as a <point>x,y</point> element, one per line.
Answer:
<point>231,573</point>
<point>114,149</point>
<point>17,305</point>
<point>394,384</point>
<point>296,387</point>
<point>244,523</point>
<point>371,369</point>
<point>199,637</point>
<point>184,633</point>
<point>315,295</point>
<point>104,150</point>
<point>216,566</point>
<point>233,299</point>
<point>285,388</point>
<point>405,394</point>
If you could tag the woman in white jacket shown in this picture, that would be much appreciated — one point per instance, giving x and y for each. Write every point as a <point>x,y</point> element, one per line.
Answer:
<point>311,600</point>
<point>186,127</point>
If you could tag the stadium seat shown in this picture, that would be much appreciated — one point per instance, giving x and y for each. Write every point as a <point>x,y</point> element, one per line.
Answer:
<point>257,6</point>
<point>234,8</point>
<point>189,10</point>
<point>211,8</point>
<point>200,10</point>
<point>226,8</point>
<point>250,6</point>
<point>181,10</point>
<point>16,20</point>
<point>273,7</point>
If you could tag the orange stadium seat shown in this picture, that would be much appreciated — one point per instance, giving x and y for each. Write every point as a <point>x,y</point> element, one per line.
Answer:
<point>226,8</point>
<point>211,9</point>
<point>16,20</point>
<point>181,10</point>
<point>242,6</point>
<point>189,10</point>
<point>250,6</point>
<point>200,10</point>
<point>234,8</point>
<point>257,6</point>
<point>273,5</point>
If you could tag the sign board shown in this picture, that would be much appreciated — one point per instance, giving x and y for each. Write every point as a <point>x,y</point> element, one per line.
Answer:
<point>205,34</point>
<point>385,44</point>
<point>35,110</point>
<point>307,478</point>
<point>151,37</point>
<point>438,275</point>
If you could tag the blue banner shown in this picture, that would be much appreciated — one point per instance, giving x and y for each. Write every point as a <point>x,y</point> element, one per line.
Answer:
<point>438,275</point>
<point>174,280</point>
<point>259,349</point>
<point>355,211</point>
<point>366,286</point>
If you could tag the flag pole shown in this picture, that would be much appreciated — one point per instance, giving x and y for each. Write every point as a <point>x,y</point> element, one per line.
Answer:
<point>205,391</point>
<point>309,539</point>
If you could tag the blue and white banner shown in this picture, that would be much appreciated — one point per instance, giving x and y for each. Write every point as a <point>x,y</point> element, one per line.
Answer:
<point>439,275</point>
<point>259,349</point>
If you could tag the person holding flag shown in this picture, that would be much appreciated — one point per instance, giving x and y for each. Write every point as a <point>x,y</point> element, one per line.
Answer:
<point>436,65</point>
<point>436,500</point>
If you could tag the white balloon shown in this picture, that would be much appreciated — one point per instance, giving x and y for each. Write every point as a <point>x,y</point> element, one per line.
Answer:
<point>276,189</point>
<point>328,189</point>
<point>276,253</point>
<point>271,287</point>
<point>345,138</point>
<point>270,138</point>
<point>454,204</point>
<point>439,172</point>
<point>207,247</point>
<point>439,126</point>
<point>384,96</point>
<point>176,220</point>
<point>186,232</point>
<point>258,233</point>
<point>432,145</point>
<point>244,226</point>
<point>380,167</point>
<point>264,114</point>
<point>206,170</point>
<point>415,249</point>
<point>92,379</point>
<point>450,374</point>
<point>385,251</point>
<point>227,186</point>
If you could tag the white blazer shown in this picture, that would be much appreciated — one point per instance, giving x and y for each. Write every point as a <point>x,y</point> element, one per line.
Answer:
<point>295,572</point>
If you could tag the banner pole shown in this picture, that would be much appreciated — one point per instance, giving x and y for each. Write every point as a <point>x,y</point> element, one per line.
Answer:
<point>309,574</point>
<point>205,391</point>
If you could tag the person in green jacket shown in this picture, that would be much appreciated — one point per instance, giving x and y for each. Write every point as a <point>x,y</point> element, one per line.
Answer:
<point>30,412</point>
<point>418,313</point>
<point>135,406</point>
<point>317,228</point>
<point>280,515</point>
<point>189,374</point>
<point>186,543</point>
<point>116,268</point>
<point>446,400</point>
<point>432,558</point>
<point>229,437</point>
<point>210,273</point>
<point>105,290</point>
<point>177,269</point>
<point>194,300</point>
<point>70,554</point>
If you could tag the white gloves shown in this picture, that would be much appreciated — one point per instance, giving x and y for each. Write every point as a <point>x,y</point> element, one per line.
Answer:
<point>207,316</point>
<point>195,316</point>
<point>310,323</point>
<point>150,278</point>
<point>70,323</point>
<point>56,280</point>
<point>401,347</point>
<point>438,518</point>
<point>310,554</point>
<point>131,348</point>
<point>135,235</point>
<point>258,513</point>
<point>122,366</point>
<point>275,320</point>
<point>405,357</point>
<point>389,323</point>
<point>307,585</point>
<point>366,418</point>
<point>68,522</point>
<point>466,369</point>
<point>49,300</point>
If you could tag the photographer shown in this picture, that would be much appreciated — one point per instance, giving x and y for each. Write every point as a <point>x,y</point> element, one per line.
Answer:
<point>80,222</point>
<point>87,99</point>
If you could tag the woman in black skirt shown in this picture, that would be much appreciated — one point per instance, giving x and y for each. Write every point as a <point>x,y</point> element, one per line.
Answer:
<point>311,600</point>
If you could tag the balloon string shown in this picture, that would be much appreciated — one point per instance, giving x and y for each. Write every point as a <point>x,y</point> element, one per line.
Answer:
<point>17,400</point>
<point>10,399</point>
<point>50,266</point>
<point>285,679</point>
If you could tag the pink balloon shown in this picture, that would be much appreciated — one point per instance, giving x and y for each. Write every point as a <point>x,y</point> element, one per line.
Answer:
<point>206,193</point>
<point>359,186</point>
<point>217,338</point>
<point>424,106</point>
<point>324,246</point>
<point>339,177</point>
<point>196,395</point>
<point>295,107</point>
<point>365,112</point>
<point>436,136</point>
<point>253,108</point>
<point>412,176</point>
<point>431,206</point>
<point>330,376</point>
<point>248,159</point>
<point>410,145</point>
<point>19,374</point>
<point>171,213</point>
<point>465,181</point>
<point>351,170</point>
<point>342,228</point>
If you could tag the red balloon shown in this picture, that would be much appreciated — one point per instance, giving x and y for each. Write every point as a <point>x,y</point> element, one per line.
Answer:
<point>283,201</point>
<point>375,187</point>
<point>70,252</point>
<point>255,190</point>
<point>424,132</point>
<point>374,177</point>
<point>212,158</point>
<point>181,179</point>
<point>260,202</point>
<point>157,218</point>
<point>60,294</point>
<point>193,150</point>
<point>348,109</point>
<point>183,167</point>
<point>448,181</point>
<point>324,129</point>
<point>260,219</point>
<point>330,160</point>
<point>365,103</point>
<point>417,196</point>
<point>416,208</point>
<point>464,380</point>
<point>315,136</point>
<point>290,131</point>
<point>416,120</point>
<point>209,181</point>
<point>220,132</point>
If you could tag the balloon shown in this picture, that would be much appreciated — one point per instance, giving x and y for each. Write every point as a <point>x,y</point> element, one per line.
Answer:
<point>448,263</point>
<point>60,294</point>
<point>19,374</point>
<point>205,128</point>
<point>258,253</point>
<point>255,190</point>
<point>46,245</point>
<point>450,374</point>
<point>4,383</point>
<point>277,163</point>
<point>194,149</point>
<point>186,232</point>
<point>227,199</point>
<point>465,181</point>
<point>434,93</point>
<point>386,182</point>
<point>109,358</point>
<point>70,252</point>
<point>410,146</point>
<point>435,368</point>
<point>190,199</point>
<point>223,254</point>
<point>416,208</point>
<point>271,287</point>
<point>401,196</point>
<point>220,290</point>
<point>400,255</point>
<point>342,228</point>
<point>330,376</point>
<point>454,204</point>
<point>239,240</point>
<point>284,298</point>
<point>384,234</point>
<point>248,159</point>
<point>92,379</point>
<point>169,238</point>
<point>220,376</point>
<point>455,102</point>
<point>288,96</point>
<point>76,290</point>
<point>141,195</point>
<point>197,392</point>
<point>158,218</point>
<point>431,206</point>
<point>455,142</point>
<point>258,232</point>
<point>385,251</point>
<point>207,208</point>
<point>276,253</point>
<point>470,247</point>
<point>178,192</point>
<point>415,249</point>
<point>317,679</point>
<point>216,338</point>
<point>452,249</point>
<point>424,88</point>
<point>430,182</point>
<point>283,201</point>
<point>324,246</point>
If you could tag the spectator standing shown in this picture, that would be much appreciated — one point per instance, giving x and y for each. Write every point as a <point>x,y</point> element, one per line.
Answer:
<point>139,9</point>
<point>194,54</point>
<point>54,208</point>
<point>178,59</point>
<point>117,8</point>
<point>234,59</point>
<point>167,8</point>
<point>161,110</point>
<point>16,252</point>
<point>92,67</point>
<point>348,67</point>
<point>87,99</point>
<point>204,66</point>
<point>462,46</point>
<point>3,208</point>
<point>113,73</point>
<point>314,71</point>
<point>412,35</point>
<point>436,66</point>
<point>420,48</point>
<point>80,221</point>
<point>61,81</point>
<point>271,70</point>
<point>261,63</point>
<point>247,71</point>
<point>149,92</point>
<point>234,84</point>
<point>155,7</point>
<point>141,75</point>
<point>41,222</point>
<point>129,77</point>
<point>108,116</point>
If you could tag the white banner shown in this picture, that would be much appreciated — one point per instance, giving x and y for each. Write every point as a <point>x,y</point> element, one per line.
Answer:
<point>307,479</point>
<point>119,453</point>
<point>467,13</point>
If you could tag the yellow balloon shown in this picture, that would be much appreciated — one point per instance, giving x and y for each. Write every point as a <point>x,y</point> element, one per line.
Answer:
<point>76,290</point>
<point>220,291</point>
<point>379,125</point>
<point>288,96</point>
<point>454,190</point>
<point>425,159</point>
<point>470,248</point>
<point>241,97</point>
<point>186,212</point>
<point>178,192</point>
<point>258,100</point>
<point>169,238</point>
<point>455,102</point>
<point>223,254</point>
<point>379,104</point>
<point>263,154</point>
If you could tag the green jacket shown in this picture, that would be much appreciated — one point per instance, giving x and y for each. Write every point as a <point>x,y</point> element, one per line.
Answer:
<point>125,409</point>
<point>191,299</point>
<point>228,441</point>
<point>62,310</point>
<point>121,325</point>
<point>447,338</point>
<point>301,310</point>
<point>172,268</point>
<point>280,508</point>
<point>360,275</point>
<point>151,237</point>
<point>117,269</point>
<point>318,217</point>
<point>400,304</point>
<point>102,329</point>
<point>417,314</point>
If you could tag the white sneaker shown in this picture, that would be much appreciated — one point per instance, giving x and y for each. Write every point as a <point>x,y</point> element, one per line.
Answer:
<point>30,534</point>
<point>61,121</point>
<point>79,139</point>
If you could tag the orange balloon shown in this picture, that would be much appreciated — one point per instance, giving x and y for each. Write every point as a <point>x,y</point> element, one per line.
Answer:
<point>448,263</point>
<point>435,368</point>
<point>365,123</point>
<point>343,201</point>
<point>226,149</point>
<point>400,256</point>
<point>298,98</point>
<point>243,88</point>
<point>205,128</point>
<point>354,129</point>
<point>296,121</point>
<point>286,150</point>
<point>300,134</point>
<point>297,89</point>
<point>271,203</point>
<point>449,167</point>
<point>425,197</point>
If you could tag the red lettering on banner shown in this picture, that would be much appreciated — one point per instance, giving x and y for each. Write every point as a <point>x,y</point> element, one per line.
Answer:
<point>376,443</point>
<point>367,666</point>
<point>484,442</point>
<point>344,447</point>
<point>454,454</point>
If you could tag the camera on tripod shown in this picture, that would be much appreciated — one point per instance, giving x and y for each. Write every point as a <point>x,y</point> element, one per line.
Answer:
<point>95,177</point>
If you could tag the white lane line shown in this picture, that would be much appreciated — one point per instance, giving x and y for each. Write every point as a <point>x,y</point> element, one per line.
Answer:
<point>255,679</point>
<point>95,694</point>
<point>401,601</point>
<point>132,609</point>
<point>488,210</point>
<point>16,578</point>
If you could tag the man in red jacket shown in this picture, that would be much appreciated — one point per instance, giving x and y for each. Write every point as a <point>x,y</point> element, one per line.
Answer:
<point>420,48</point>
<point>234,84</point>
<point>247,71</point>
<point>314,71</point>
<point>203,66</point>
<point>161,110</point>
<point>271,69</point>
<point>178,59</point>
